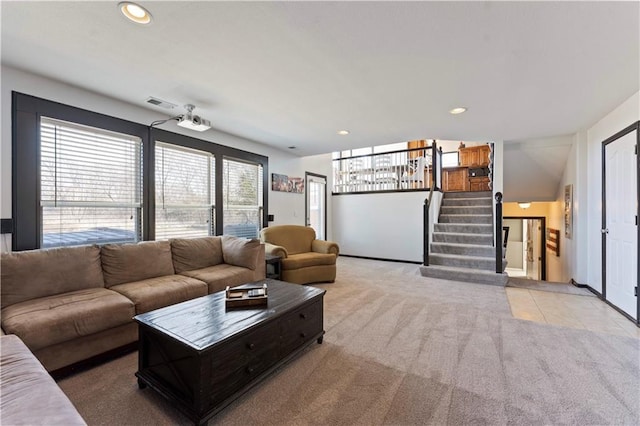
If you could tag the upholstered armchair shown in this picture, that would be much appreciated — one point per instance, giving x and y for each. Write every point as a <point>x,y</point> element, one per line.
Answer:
<point>304,258</point>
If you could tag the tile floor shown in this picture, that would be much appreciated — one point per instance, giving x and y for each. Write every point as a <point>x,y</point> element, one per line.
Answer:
<point>583,312</point>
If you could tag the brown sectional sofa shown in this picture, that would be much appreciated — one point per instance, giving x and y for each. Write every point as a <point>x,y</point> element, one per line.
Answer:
<point>69,304</point>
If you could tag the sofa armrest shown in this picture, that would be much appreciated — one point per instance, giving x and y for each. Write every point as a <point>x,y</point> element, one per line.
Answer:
<point>275,250</point>
<point>321,246</point>
<point>29,395</point>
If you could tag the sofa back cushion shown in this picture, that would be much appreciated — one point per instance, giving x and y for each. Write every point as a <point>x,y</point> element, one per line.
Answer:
<point>32,274</point>
<point>196,253</point>
<point>295,238</point>
<point>125,263</point>
<point>241,251</point>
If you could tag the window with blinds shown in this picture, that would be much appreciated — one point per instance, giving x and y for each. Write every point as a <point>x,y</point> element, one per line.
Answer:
<point>185,190</point>
<point>90,185</point>
<point>242,198</point>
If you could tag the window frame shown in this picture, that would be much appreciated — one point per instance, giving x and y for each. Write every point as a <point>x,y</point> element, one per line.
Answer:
<point>27,111</point>
<point>219,152</point>
<point>211,189</point>
<point>58,149</point>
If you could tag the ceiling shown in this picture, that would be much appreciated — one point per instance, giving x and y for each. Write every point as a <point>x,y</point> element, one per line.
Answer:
<point>294,73</point>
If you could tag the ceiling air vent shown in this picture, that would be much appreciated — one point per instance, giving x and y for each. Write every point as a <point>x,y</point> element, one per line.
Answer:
<point>159,102</point>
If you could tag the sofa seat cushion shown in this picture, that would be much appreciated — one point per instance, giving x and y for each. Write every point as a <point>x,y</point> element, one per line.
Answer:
<point>303,260</point>
<point>59,318</point>
<point>159,292</point>
<point>220,276</point>
<point>29,395</point>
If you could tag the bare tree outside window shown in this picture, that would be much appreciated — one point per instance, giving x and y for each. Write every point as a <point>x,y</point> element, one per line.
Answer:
<point>91,185</point>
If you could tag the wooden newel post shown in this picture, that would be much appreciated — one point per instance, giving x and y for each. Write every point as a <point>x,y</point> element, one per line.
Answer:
<point>425,233</point>
<point>498,243</point>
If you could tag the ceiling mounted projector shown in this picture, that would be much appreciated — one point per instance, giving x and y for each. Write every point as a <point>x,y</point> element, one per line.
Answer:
<point>193,122</point>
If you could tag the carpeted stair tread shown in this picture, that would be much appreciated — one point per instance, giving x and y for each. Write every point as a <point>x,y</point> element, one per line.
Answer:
<point>465,218</point>
<point>464,261</point>
<point>467,194</point>
<point>453,273</point>
<point>467,228</point>
<point>455,210</point>
<point>467,202</point>
<point>463,238</point>
<point>463,248</point>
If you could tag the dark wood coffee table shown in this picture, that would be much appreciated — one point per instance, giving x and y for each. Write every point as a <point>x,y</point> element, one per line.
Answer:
<point>201,356</point>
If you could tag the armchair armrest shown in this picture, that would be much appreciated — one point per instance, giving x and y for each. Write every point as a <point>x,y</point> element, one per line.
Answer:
<point>321,246</point>
<point>275,250</point>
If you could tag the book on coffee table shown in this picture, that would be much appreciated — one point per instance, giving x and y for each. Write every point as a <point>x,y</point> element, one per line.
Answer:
<point>246,296</point>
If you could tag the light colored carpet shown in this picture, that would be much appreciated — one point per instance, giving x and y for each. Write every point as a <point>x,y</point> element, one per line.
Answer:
<point>548,286</point>
<point>401,349</point>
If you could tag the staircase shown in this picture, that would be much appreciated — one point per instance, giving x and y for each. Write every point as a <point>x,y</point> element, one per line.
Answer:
<point>462,247</point>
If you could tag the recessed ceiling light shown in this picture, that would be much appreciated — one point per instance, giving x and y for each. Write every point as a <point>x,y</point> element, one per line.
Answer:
<point>135,12</point>
<point>343,132</point>
<point>458,110</point>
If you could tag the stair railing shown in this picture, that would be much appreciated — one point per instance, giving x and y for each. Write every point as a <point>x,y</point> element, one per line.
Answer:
<point>425,225</point>
<point>505,240</point>
<point>498,241</point>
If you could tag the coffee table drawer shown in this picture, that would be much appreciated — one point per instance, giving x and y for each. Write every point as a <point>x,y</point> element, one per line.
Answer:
<point>237,363</point>
<point>300,325</point>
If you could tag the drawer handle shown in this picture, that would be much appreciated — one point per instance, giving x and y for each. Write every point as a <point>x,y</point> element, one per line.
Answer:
<point>303,335</point>
<point>303,316</point>
<point>251,346</point>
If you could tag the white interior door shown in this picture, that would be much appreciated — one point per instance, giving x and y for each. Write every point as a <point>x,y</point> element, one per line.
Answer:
<point>316,204</point>
<point>621,234</point>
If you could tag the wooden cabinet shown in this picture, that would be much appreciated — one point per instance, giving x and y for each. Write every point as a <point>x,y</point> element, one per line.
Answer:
<point>479,183</point>
<point>474,156</point>
<point>455,179</point>
<point>422,143</point>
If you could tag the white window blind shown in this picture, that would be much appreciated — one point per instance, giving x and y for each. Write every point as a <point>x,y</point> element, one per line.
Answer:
<point>90,185</point>
<point>242,196</point>
<point>185,190</point>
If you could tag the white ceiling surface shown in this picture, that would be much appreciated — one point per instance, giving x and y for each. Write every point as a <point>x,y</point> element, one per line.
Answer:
<point>294,73</point>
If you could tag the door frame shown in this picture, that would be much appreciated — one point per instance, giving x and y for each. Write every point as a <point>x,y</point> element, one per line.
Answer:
<point>635,126</point>
<point>306,198</point>
<point>543,247</point>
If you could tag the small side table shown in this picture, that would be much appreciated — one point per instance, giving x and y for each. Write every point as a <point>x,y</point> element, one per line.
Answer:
<point>274,266</point>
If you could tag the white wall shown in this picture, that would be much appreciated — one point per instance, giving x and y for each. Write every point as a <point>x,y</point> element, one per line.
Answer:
<point>287,208</point>
<point>572,250</point>
<point>621,117</point>
<point>385,225</point>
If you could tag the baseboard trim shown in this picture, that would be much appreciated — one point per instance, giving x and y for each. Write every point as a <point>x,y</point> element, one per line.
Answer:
<point>597,293</point>
<point>89,363</point>
<point>588,287</point>
<point>381,259</point>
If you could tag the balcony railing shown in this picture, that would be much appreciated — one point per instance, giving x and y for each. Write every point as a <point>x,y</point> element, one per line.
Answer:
<point>411,169</point>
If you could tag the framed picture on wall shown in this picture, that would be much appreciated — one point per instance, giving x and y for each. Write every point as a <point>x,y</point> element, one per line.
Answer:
<point>568,211</point>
